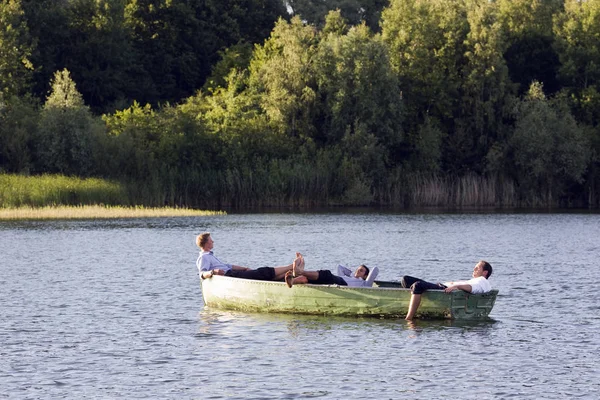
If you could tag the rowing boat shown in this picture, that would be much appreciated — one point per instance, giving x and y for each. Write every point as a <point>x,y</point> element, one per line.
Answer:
<point>383,300</point>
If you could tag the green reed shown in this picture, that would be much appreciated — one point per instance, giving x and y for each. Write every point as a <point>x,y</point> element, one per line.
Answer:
<point>53,190</point>
<point>466,191</point>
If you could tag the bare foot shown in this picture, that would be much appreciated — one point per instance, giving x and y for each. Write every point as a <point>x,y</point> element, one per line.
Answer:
<point>289,278</point>
<point>298,265</point>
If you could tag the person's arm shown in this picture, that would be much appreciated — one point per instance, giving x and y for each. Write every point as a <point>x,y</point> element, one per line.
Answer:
<point>209,274</point>
<point>343,271</point>
<point>371,277</point>
<point>474,286</point>
<point>466,288</point>
<point>239,268</point>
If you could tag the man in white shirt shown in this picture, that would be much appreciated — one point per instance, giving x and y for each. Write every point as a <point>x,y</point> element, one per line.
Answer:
<point>478,284</point>
<point>209,265</point>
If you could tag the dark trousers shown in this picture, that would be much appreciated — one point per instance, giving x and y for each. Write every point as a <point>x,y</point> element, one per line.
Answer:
<point>418,286</point>
<point>261,274</point>
<point>327,278</point>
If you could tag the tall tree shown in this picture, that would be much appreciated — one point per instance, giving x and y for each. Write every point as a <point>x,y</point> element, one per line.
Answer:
<point>357,87</point>
<point>487,93</point>
<point>550,150</point>
<point>68,132</point>
<point>578,43</point>
<point>282,71</point>
<point>16,46</point>
<point>426,41</point>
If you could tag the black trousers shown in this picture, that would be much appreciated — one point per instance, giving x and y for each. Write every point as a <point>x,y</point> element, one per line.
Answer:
<point>327,278</point>
<point>418,286</point>
<point>260,274</point>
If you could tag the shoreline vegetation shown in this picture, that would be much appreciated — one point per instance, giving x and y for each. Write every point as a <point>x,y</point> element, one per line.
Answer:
<point>98,212</point>
<point>62,197</point>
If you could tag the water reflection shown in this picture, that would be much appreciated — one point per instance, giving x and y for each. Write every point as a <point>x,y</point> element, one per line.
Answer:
<point>232,323</point>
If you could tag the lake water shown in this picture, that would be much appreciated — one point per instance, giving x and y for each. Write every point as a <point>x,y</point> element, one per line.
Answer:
<point>113,309</point>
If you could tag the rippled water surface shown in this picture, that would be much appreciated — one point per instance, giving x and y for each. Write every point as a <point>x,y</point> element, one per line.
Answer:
<point>113,309</point>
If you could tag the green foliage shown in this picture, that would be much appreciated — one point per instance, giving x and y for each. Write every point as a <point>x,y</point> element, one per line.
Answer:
<point>357,86</point>
<point>282,72</point>
<point>428,148</point>
<point>15,50</point>
<point>68,133</point>
<point>427,48</point>
<point>522,17</point>
<point>486,89</point>
<point>234,117</point>
<point>236,57</point>
<point>549,148</point>
<point>44,190</point>
<point>18,127</point>
<point>449,60</point>
<point>577,33</point>
<point>335,23</point>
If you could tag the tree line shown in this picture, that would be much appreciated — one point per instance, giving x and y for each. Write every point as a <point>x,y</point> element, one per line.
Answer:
<point>285,103</point>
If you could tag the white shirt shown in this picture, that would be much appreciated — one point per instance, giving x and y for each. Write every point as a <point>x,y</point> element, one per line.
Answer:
<point>207,262</point>
<point>346,274</point>
<point>478,285</point>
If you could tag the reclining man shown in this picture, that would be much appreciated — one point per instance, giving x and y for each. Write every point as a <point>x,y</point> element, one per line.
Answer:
<point>478,284</point>
<point>209,265</point>
<point>362,276</point>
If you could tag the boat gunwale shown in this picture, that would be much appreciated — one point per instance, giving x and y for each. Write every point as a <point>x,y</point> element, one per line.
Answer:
<point>336,286</point>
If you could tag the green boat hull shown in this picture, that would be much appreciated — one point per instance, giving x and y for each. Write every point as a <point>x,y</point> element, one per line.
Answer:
<point>386,300</point>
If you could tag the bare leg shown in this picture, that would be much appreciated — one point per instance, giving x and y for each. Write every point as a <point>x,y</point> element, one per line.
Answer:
<point>300,280</point>
<point>415,301</point>
<point>280,271</point>
<point>310,275</point>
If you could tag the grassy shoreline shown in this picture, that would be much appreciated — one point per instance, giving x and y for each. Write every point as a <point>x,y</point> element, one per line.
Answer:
<point>98,212</point>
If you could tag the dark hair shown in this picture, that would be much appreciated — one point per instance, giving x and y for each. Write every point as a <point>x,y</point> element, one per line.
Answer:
<point>487,267</point>
<point>367,268</point>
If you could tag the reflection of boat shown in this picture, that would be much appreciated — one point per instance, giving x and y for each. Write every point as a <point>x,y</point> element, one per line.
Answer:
<point>384,299</point>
